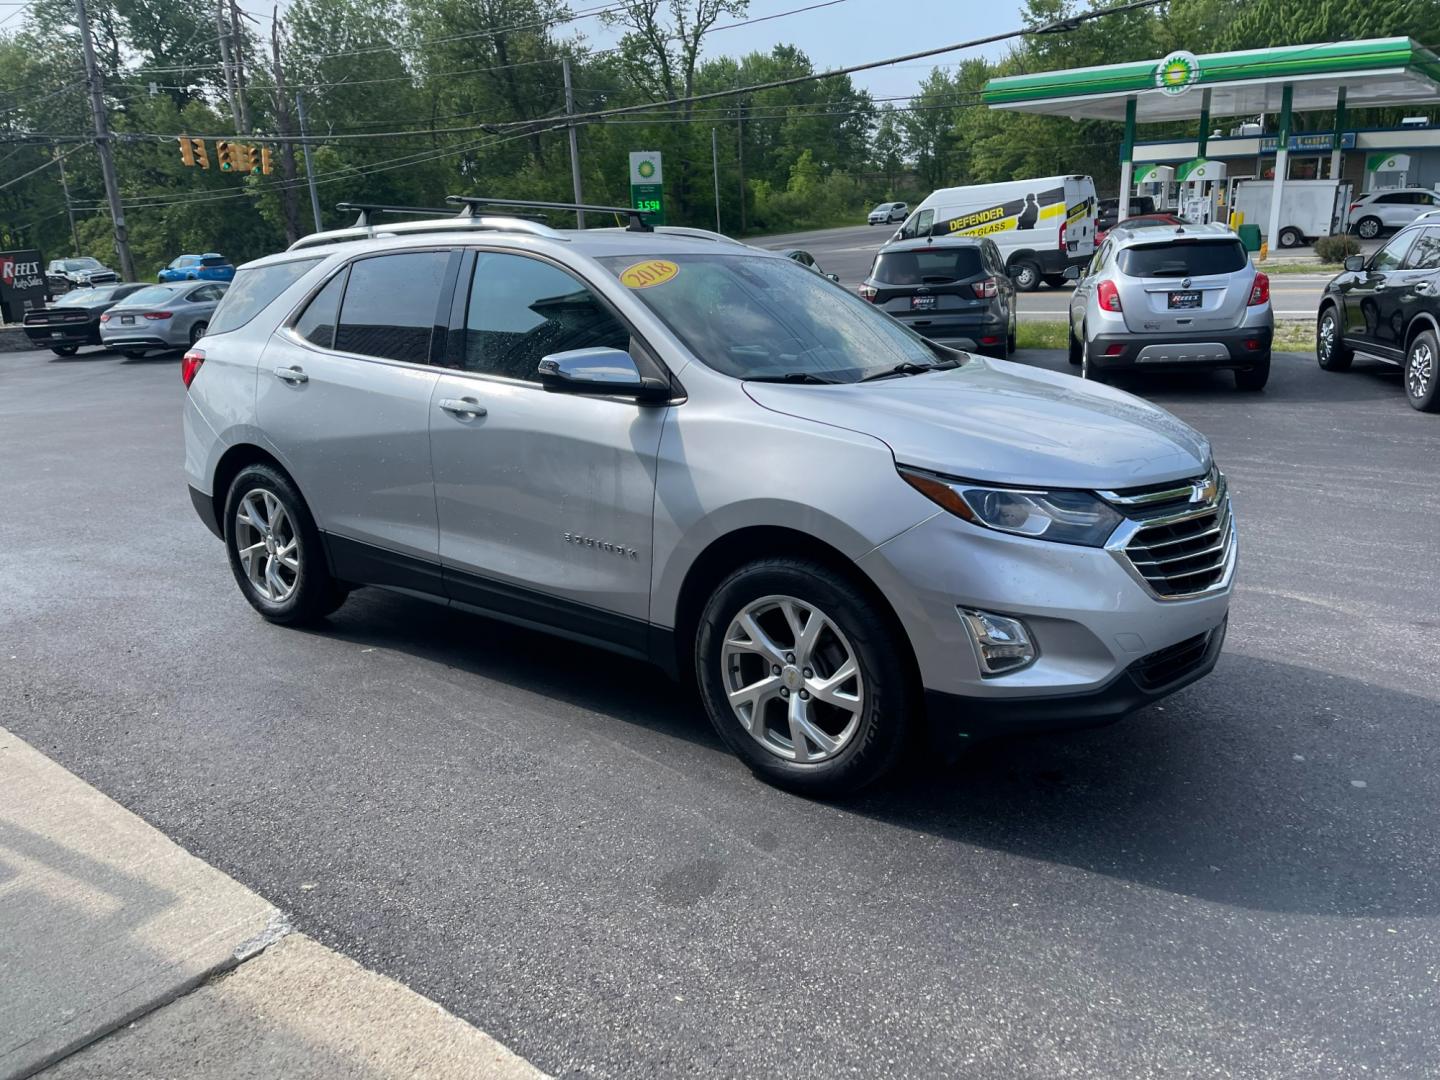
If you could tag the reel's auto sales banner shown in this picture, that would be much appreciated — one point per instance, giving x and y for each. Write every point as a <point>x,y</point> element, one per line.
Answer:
<point>22,283</point>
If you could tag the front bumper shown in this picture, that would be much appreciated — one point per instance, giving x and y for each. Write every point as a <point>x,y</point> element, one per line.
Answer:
<point>1204,349</point>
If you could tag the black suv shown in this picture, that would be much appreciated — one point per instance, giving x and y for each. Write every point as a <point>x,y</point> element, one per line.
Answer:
<point>952,290</point>
<point>1388,308</point>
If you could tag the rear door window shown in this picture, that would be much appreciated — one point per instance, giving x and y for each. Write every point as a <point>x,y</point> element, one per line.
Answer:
<point>253,289</point>
<point>1185,259</point>
<point>927,266</point>
<point>391,305</point>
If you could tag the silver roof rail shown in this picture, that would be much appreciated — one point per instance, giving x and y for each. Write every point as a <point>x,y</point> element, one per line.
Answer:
<point>460,223</point>
<point>701,234</point>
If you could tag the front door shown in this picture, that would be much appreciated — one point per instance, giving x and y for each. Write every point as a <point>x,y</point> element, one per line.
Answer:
<point>546,500</point>
<point>347,399</point>
<point>1364,294</point>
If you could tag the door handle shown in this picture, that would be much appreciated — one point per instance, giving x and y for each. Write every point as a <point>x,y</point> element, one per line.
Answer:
<point>467,406</point>
<point>1424,288</point>
<point>291,374</point>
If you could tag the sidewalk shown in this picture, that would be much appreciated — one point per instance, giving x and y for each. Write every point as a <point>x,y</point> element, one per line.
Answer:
<point>123,956</point>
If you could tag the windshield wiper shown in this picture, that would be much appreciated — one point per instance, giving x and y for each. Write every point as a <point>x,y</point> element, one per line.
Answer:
<point>792,377</point>
<point>907,367</point>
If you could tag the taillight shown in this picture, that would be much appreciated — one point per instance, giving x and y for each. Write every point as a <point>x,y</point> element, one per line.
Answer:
<point>1108,295</point>
<point>157,315</point>
<point>1062,234</point>
<point>105,317</point>
<point>986,289</point>
<point>869,292</point>
<point>1260,291</point>
<point>190,366</point>
<point>1354,206</point>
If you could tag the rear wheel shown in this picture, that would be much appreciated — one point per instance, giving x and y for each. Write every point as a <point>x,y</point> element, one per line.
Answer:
<point>1368,228</point>
<point>275,549</point>
<point>1088,369</point>
<point>1077,347</point>
<point>1025,274</point>
<point>804,677</point>
<point>1290,237</point>
<point>1254,378</point>
<point>198,331</point>
<point>64,350</point>
<point>1055,281</point>
<point>132,354</point>
<point>1422,372</point>
<point>1330,347</point>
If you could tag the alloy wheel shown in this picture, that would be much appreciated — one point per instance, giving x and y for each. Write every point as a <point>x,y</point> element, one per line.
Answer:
<point>268,545</point>
<point>1420,371</point>
<point>793,679</point>
<point>1368,229</point>
<point>1327,336</point>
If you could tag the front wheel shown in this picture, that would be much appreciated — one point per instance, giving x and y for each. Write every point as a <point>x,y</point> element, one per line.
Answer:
<point>1025,275</point>
<point>1368,228</point>
<point>1422,372</point>
<point>1253,378</point>
<point>1330,347</point>
<point>804,677</point>
<point>275,549</point>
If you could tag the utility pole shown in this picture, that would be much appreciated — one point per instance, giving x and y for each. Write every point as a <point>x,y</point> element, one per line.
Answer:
<point>574,142</point>
<point>102,145</point>
<point>287,148</point>
<point>740,163</point>
<point>237,40</point>
<point>309,166</point>
<point>715,161</point>
<point>69,208</point>
<point>222,27</point>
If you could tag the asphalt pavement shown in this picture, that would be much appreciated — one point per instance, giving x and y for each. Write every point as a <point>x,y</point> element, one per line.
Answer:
<point>551,843</point>
<point>848,253</point>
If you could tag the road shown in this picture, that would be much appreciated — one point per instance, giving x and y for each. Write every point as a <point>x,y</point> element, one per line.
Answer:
<point>551,842</point>
<point>848,253</point>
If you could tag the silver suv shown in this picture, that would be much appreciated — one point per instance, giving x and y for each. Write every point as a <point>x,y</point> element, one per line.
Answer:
<point>1172,297</point>
<point>694,452</point>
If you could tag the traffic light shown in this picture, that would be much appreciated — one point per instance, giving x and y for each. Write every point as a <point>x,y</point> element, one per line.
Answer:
<point>225,153</point>
<point>265,160</point>
<point>187,153</point>
<point>199,153</point>
<point>250,159</point>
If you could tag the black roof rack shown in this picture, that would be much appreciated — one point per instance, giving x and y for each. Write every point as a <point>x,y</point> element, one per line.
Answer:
<point>637,217</point>
<point>366,209</point>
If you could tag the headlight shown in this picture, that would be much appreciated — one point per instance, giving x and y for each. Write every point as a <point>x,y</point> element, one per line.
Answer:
<point>1065,517</point>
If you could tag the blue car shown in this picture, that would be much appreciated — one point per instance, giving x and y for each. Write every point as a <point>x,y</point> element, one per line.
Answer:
<point>212,266</point>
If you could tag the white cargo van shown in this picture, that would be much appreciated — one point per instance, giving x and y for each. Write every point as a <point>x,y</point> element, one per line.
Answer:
<point>1041,226</point>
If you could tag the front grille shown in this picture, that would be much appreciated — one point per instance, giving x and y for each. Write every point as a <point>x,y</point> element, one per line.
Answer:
<point>1165,666</point>
<point>1183,549</point>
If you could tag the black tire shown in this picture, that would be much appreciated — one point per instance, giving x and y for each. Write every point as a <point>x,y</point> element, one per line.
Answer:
<point>1254,378</point>
<point>1330,347</point>
<point>1367,228</point>
<point>1025,274</point>
<point>1089,371</point>
<point>1422,372</point>
<point>890,697</point>
<point>1290,237</point>
<point>198,331</point>
<point>1012,337</point>
<point>64,350</point>
<point>133,354</point>
<point>315,593</point>
<point>1055,281</point>
<point>1077,348</point>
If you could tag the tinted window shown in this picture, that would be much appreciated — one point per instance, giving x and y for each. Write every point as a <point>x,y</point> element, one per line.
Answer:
<point>520,310</point>
<point>929,265</point>
<point>1425,254</point>
<point>1401,198</point>
<point>317,322</point>
<point>212,260</point>
<point>754,317</point>
<point>1393,254</point>
<point>1184,259</point>
<point>253,289</point>
<point>390,305</point>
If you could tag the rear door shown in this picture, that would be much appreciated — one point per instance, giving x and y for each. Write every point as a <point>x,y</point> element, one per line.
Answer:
<point>1364,294</point>
<point>1406,291</point>
<point>344,395</point>
<point>1184,284</point>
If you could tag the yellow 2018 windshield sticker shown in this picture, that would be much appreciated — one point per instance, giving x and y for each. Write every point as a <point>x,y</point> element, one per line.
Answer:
<point>648,274</point>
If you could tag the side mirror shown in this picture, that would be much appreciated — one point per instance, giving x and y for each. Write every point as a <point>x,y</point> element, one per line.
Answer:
<point>1072,273</point>
<point>1354,263</point>
<point>600,373</point>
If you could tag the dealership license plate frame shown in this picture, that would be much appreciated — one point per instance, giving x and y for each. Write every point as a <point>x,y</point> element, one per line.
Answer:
<point>1188,300</point>
<point>923,303</point>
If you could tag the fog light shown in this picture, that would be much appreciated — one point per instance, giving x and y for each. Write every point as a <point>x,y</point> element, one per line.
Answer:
<point>1002,644</point>
<point>1253,344</point>
<point>990,340</point>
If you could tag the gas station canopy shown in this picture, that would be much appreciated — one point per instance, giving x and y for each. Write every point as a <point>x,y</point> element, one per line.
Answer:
<point>1374,73</point>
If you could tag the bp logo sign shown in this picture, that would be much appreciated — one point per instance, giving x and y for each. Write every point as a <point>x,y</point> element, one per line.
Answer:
<point>1177,72</point>
<point>646,169</point>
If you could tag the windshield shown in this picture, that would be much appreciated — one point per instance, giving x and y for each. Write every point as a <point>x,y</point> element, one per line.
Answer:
<point>1186,258</point>
<point>754,317</point>
<point>883,206</point>
<point>82,264</point>
<point>926,265</point>
<point>155,294</point>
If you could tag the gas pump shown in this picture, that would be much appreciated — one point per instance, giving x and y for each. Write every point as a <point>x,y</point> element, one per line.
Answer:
<point>1157,183</point>
<point>1202,190</point>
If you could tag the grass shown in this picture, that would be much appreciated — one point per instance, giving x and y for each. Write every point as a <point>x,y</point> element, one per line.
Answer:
<point>1299,268</point>
<point>1290,335</point>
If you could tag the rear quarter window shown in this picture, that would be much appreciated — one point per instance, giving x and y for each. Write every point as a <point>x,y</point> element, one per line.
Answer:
<point>1187,258</point>
<point>254,289</point>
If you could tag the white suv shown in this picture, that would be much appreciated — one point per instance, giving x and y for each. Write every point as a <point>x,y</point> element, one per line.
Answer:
<point>1386,211</point>
<point>687,450</point>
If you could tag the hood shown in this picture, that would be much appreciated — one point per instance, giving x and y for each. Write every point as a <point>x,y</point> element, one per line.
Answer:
<point>1008,424</point>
